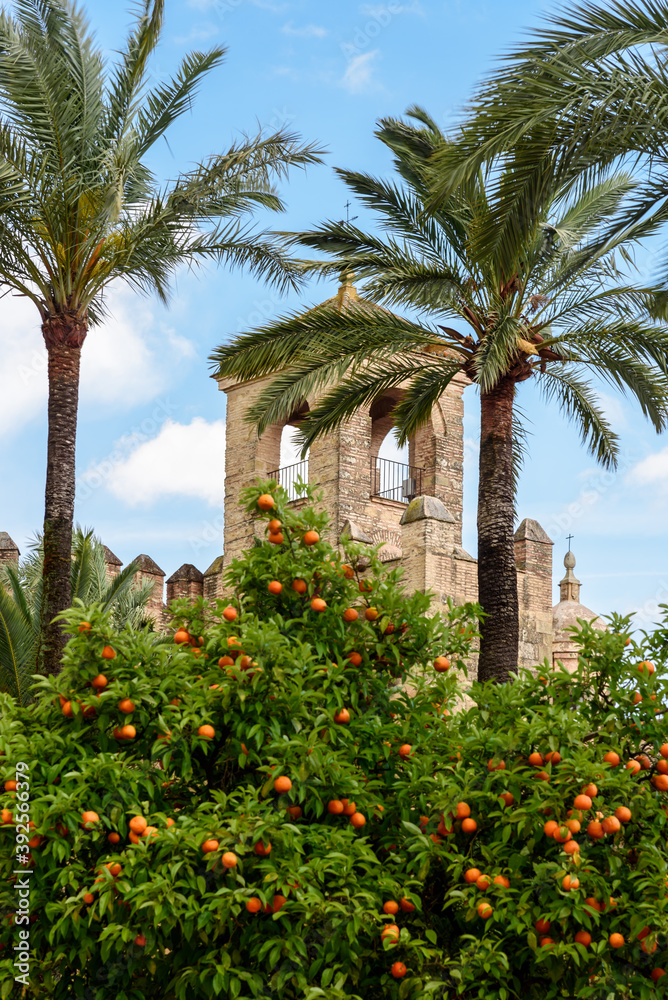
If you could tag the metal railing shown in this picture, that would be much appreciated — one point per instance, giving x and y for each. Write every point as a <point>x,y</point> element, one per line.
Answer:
<point>288,476</point>
<point>394,480</point>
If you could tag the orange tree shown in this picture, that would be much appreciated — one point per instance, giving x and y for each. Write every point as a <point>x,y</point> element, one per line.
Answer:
<point>273,801</point>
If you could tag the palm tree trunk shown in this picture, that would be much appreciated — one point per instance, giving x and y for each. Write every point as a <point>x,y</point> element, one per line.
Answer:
<point>497,576</point>
<point>63,336</point>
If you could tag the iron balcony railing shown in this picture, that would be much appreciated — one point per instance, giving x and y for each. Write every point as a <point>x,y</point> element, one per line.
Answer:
<point>288,475</point>
<point>394,480</point>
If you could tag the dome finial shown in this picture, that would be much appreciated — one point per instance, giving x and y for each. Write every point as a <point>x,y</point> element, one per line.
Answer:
<point>570,586</point>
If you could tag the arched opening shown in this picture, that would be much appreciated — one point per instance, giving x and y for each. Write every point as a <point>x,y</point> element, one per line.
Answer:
<point>393,476</point>
<point>292,467</point>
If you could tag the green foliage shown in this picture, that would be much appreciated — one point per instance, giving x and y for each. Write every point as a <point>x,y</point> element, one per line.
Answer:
<point>285,674</point>
<point>21,604</point>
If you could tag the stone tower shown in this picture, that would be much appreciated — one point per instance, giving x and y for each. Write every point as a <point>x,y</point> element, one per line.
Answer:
<point>364,496</point>
<point>565,616</point>
<point>9,551</point>
<point>414,509</point>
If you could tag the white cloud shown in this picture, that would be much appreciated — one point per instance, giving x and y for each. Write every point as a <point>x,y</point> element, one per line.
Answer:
<point>653,469</point>
<point>181,460</point>
<point>129,359</point>
<point>357,77</point>
<point>199,33</point>
<point>308,31</point>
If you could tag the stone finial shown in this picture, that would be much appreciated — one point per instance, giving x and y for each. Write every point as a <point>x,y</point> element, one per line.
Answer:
<point>112,562</point>
<point>187,582</point>
<point>355,533</point>
<point>569,587</point>
<point>9,550</point>
<point>425,507</point>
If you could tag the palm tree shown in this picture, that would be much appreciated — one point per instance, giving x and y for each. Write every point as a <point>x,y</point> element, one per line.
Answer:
<point>559,313</point>
<point>80,207</point>
<point>589,90</point>
<point>21,601</point>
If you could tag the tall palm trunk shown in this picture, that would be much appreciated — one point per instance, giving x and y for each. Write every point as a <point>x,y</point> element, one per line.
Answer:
<point>497,577</point>
<point>63,336</point>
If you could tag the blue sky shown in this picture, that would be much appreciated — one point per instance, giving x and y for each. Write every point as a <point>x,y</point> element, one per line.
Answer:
<point>151,426</point>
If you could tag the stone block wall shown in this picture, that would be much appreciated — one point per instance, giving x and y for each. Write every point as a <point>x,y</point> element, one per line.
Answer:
<point>9,551</point>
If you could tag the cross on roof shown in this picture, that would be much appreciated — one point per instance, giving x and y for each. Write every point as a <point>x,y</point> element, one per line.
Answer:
<point>348,206</point>
<point>570,539</point>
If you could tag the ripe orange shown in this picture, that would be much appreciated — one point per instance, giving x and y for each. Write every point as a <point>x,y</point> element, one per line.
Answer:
<point>542,925</point>
<point>275,537</point>
<point>593,904</point>
<point>633,766</point>
<point>508,798</point>
<point>225,661</point>
<point>282,785</point>
<point>133,838</point>
<point>390,907</point>
<point>126,706</point>
<point>582,802</point>
<point>562,835</point>
<point>230,613</point>
<point>299,586</point>
<point>275,587</point>
<point>67,710</point>
<point>572,847</point>
<point>611,758</point>
<point>277,904</point>
<point>546,942</point>
<point>637,697</point>
<point>349,808</point>
<point>569,883</point>
<point>88,896</point>
<point>398,970</point>
<point>229,859</point>
<point>371,614</point>
<point>493,765</point>
<point>335,807</point>
<point>611,824</point>
<point>656,974</point>
<point>6,816</point>
<point>648,948</point>
<point>584,938</point>
<point>405,750</point>
<point>209,846</point>
<point>441,664</point>
<point>553,757</point>
<point>99,682</point>
<point>181,635</point>
<point>501,880</point>
<point>591,790</point>
<point>137,824</point>
<point>483,883</point>
<point>261,849</point>
<point>140,941</point>
<point>254,905</point>
<point>645,665</point>
<point>358,820</point>
<point>662,766</point>
<point>472,875</point>
<point>206,732</point>
<point>663,750</point>
<point>623,814</point>
<point>462,810</point>
<point>406,905</point>
<point>536,759</point>
<point>311,538</point>
<point>317,604</point>
<point>595,830</point>
<point>265,501</point>
<point>469,826</point>
<point>113,869</point>
<point>355,659</point>
<point>351,615</point>
<point>485,911</point>
<point>660,781</point>
<point>550,828</point>
<point>390,931</point>
<point>347,571</point>
<point>85,627</point>
<point>342,717</point>
<point>108,653</point>
<point>573,825</point>
<point>89,816</point>
<point>616,941</point>
<point>274,525</point>
<point>294,812</point>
